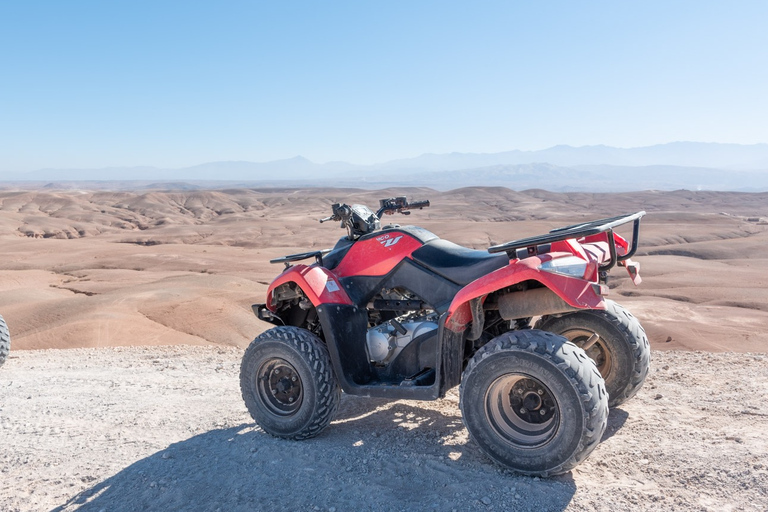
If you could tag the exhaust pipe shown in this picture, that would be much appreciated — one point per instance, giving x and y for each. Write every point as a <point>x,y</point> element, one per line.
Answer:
<point>536,302</point>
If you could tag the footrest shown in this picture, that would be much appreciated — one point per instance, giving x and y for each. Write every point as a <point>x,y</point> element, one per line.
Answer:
<point>425,377</point>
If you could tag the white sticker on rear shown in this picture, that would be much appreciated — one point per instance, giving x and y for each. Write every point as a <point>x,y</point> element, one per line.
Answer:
<point>331,286</point>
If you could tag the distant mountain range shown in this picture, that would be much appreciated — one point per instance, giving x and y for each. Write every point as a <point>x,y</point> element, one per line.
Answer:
<point>678,165</point>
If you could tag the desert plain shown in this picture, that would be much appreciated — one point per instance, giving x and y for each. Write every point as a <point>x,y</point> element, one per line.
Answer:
<point>129,312</point>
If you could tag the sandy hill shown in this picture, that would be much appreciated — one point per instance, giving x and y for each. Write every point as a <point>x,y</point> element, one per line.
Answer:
<point>99,268</point>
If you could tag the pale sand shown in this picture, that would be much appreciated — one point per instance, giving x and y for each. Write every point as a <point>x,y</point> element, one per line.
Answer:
<point>164,428</point>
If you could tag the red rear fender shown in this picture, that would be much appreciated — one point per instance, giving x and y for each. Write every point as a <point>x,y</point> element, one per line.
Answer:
<point>576,292</point>
<point>318,284</point>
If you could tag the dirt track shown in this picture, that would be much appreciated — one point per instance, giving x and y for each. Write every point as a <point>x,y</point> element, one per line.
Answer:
<point>164,428</point>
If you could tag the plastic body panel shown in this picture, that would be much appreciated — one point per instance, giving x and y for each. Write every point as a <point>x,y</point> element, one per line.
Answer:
<point>577,292</point>
<point>318,284</point>
<point>437,291</point>
<point>377,256</point>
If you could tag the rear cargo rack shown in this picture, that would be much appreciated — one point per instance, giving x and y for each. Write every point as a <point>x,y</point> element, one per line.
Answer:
<point>578,231</point>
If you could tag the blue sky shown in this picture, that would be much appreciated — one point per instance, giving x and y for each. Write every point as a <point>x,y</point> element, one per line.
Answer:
<point>171,84</point>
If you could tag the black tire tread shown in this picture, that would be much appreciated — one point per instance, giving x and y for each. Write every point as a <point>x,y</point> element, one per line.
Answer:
<point>633,333</point>
<point>316,355</point>
<point>578,368</point>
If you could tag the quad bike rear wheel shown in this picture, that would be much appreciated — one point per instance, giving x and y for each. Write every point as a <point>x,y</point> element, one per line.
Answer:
<point>615,340</point>
<point>5,341</point>
<point>288,384</point>
<point>534,402</point>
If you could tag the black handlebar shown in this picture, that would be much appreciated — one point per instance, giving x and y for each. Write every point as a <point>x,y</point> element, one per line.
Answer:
<point>389,206</point>
<point>418,204</point>
<point>399,204</point>
<point>341,212</point>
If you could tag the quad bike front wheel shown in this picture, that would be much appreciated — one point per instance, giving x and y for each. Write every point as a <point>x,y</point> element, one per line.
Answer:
<point>534,402</point>
<point>288,384</point>
<point>614,339</point>
<point>5,341</point>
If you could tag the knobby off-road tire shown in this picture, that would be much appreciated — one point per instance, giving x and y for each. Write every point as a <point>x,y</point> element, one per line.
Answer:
<point>622,353</point>
<point>288,384</point>
<point>534,402</point>
<point>5,341</point>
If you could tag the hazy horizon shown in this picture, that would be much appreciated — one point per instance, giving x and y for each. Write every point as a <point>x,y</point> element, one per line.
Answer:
<point>680,165</point>
<point>90,84</point>
<point>298,157</point>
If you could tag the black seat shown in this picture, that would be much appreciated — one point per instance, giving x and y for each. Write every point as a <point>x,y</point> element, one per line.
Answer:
<point>456,263</point>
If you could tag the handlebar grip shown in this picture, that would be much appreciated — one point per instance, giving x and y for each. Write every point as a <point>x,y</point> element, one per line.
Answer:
<point>418,204</point>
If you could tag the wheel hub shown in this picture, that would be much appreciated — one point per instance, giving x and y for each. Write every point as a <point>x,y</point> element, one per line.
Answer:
<point>531,402</point>
<point>522,410</point>
<point>279,386</point>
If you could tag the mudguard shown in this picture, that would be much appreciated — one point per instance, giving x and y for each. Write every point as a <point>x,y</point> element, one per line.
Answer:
<point>576,292</point>
<point>318,284</point>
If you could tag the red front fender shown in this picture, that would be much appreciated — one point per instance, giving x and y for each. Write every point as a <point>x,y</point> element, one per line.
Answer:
<point>578,293</point>
<point>318,284</point>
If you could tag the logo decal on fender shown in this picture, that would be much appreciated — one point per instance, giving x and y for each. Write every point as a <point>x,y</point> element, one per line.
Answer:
<point>389,242</point>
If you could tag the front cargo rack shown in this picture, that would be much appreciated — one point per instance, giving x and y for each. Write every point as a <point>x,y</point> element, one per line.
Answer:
<point>578,231</point>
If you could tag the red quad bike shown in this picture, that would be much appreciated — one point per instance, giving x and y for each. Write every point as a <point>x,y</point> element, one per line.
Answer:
<point>396,312</point>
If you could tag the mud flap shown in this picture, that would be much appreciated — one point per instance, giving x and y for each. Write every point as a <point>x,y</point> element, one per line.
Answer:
<point>344,329</point>
<point>451,357</point>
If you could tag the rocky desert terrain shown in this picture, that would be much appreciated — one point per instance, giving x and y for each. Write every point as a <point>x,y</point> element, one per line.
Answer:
<point>129,312</point>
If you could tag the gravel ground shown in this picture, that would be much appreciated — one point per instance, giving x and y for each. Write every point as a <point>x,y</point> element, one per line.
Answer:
<point>164,428</point>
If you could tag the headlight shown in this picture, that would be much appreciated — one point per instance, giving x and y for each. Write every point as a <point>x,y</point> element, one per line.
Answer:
<point>569,266</point>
